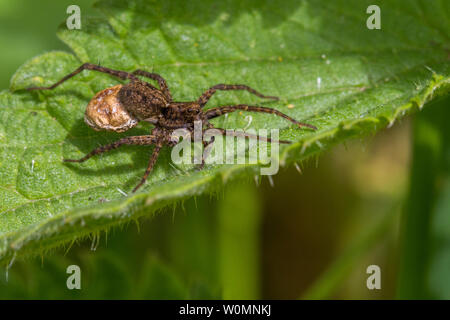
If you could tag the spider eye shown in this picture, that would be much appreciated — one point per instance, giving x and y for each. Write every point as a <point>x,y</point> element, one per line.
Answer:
<point>105,112</point>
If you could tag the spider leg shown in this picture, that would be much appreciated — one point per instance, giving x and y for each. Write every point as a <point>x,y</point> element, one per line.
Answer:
<point>206,144</point>
<point>249,135</point>
<point>161,81</point>
<point>136,140</point>
<point>89,66</point>
<point>151,163</point>
<point>216,112</point>
<point>208,93</point>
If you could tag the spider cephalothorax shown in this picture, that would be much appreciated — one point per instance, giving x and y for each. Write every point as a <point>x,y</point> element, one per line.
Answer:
<point>121,107</point>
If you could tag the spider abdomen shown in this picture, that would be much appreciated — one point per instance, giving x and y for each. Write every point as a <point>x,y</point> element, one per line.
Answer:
<point>106,112</point>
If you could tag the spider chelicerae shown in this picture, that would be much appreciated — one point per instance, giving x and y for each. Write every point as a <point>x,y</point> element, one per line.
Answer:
<point>121,107</point>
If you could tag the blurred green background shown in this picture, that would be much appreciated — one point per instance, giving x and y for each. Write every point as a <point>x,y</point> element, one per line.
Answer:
<point>383,200</point>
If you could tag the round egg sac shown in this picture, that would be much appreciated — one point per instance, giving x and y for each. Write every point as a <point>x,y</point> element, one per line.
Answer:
<point>105,112</point>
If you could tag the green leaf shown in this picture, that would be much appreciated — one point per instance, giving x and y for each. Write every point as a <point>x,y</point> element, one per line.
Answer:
<point>329,69</point>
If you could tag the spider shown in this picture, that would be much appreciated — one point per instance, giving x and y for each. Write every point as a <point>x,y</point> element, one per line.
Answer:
<point>122,107</point>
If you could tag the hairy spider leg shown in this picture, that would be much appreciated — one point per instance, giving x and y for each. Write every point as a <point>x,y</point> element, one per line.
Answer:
<point>208,93</point>
<point>161,81</point>
<point>89,66</point>
<point>206,145</point>
<point>135,140</point>
<point>151,163</point>
<point>224,132</point>
<point>249,135</point>
<point>218,111</point>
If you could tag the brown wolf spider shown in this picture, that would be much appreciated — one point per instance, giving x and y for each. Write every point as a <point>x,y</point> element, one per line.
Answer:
<point>121,107</point>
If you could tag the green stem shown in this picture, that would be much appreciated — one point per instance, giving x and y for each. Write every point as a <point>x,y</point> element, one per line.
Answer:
<point>239,242</point>
<point>429,139</point>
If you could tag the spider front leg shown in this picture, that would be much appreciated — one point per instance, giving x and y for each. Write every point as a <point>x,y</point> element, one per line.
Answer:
<point>161,81</point>
<point>89,66</point>
<point>208,144</point>
<point>223,132</point>
<point>208,93</point>
<point>249,135</point>
<point>216,112</point>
